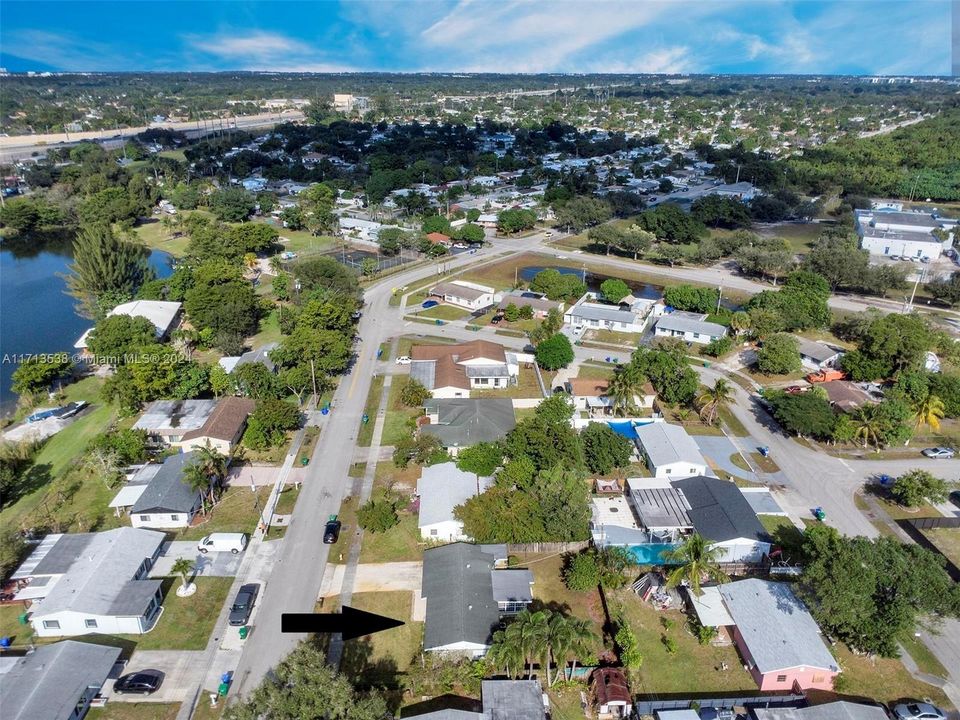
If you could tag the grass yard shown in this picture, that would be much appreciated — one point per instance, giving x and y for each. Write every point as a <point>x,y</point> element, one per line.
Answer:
<point>287,500</point>
<point>365,434</point>
<point>398,544</point>
<point>155,236</point>
<point>526,387</point>
<point>565,702</point>
<point>802,237</point>
<point>595,372</point>
<point>10,627</point>
<point>610,337</point>
<point>310,436</point>
<point>444,312</point>
<point>738,460</point>
<point>405,343</point>
<point>883,679</point>
<point>269,330</point>
<point>947,541</point>
<point>397,418</point>
<point>186,623</point>
<point>732,423</point>
<point>766,464</point>
<point>236,512</point>
<point>384,351</point>
<point>138,711</point>
<point>785,534</point>
<point>301,241</point>
<point>925,660</point>
<point>664,672</point>
<point>357,470</point>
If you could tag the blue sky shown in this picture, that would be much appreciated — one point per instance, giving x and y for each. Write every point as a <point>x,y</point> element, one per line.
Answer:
<point>699,36</point>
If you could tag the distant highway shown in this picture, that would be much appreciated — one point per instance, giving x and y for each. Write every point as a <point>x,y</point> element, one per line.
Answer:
<point>17,147</point>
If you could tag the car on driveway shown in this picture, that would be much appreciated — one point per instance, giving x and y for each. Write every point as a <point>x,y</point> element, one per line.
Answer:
<point>918,711</point>
<point>331,533</point>
<point>403,360</point>
<point>939,453</point>
<point>142,682</point>
<point>243,603</point>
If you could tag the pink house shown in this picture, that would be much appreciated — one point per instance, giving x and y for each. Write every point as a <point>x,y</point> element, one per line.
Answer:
<point>778,639</point>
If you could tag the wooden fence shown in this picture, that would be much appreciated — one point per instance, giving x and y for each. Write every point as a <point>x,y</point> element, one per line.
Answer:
<point>929,523</point>
<point>558,547</point>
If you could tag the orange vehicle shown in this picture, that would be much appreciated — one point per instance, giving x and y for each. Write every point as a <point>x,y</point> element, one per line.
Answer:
<point>826,376</point>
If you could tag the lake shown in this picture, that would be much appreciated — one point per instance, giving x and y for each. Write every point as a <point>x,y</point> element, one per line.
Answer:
<point>593,280</point>
<point>36,315</point>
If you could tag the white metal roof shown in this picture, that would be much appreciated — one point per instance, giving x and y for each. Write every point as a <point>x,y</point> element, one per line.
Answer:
<point>128,496</point>
<point>710,608</point>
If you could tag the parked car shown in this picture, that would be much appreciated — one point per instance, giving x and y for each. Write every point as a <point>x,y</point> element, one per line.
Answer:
<point>918,711</point>
<point>955,498</point>
<point>427,304</point>
<point>243,604</point>
<point>331,533</point>
<point>939,453</point>
<point>795,390</point>
<point>223,542</point>
<point>72,408</point>
<point>403,360</point>
<point>142,682</point>
<point>496,319</point>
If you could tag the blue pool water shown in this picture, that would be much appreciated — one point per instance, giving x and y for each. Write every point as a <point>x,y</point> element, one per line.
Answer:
<point>626,427</point>
<point>650,554</point>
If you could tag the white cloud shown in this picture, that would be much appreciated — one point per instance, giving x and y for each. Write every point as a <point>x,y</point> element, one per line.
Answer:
<point>260,50</point>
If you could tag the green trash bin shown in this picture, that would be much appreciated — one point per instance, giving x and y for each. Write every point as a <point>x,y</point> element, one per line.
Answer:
<point>244,631</point>
<point>22,618</point>
<point>706,363</point>
<point>222,690</point>
<point>304,461</point>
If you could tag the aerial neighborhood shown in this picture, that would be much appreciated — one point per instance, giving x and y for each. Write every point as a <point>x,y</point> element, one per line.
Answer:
<point>637,398</point>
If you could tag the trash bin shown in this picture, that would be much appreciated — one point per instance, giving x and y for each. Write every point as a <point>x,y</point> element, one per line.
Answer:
<point>304,461</point>
<point>22,618</point>
<point>5,642</point>
<point>366,418</point>
<point>222,690</point>
<point>244,631</point>
<point>706,363</point>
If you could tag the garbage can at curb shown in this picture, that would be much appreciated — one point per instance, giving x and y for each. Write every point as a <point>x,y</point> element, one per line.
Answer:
<point>244,631</point>
<point>222,690</point>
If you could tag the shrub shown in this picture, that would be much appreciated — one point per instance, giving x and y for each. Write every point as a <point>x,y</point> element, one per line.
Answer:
<point>414,394</point>
<point>582,573</point>
<point>718,347</point>
<point>377,516</point>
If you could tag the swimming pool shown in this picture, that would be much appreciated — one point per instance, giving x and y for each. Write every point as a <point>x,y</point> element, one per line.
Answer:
<point>627,428</point>
<point>651,554</point>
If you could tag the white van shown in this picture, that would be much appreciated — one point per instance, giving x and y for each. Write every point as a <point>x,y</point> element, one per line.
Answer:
<point>222,542</point>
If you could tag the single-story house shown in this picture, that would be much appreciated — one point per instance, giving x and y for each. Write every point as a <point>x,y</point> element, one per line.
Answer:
<point>610,693</point>
<point>817,355</point>
<point>257,355</point>
<point>906,234</point>
<point>669,451</point>
<point>488,221</point>
<point>500,700</point>
<point>56,682</point>
<point>590,314</point>
<point>452,371</point>
<point>740,190</point>
<point>440,489</point>
<point>357,229</point>
<point>223,428</point>
<point>438,238</point>
<point>136,482</point>
<point>778,639</point>
<point>167,501</point>
<point>691,327</point>
<point>839,710</point>
<point>466,596</point>
<point>163,315</point>
<point>846,395</point>
<point>167,421</point>
<point>83,583</point>
<point>541,304</point>
<point>591,395</point>
<point>462,422</point>
<point>468,295</point>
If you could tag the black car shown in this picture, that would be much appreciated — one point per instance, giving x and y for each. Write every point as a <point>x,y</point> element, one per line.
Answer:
<point>142,682</point>
<point>243,604</point>
<point>331,533</point>
<point>955,498</point>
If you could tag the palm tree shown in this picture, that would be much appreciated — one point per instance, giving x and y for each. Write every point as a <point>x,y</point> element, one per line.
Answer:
<point>740,322</point>
<point>530,629</point>
<point>183,567</point>
<point>559,640</point>
<point>929,412</point>
<point>623,388</point>
<point>867,427</point>
<point>505,651</point>
<point>206,472</point>
<point>583,640</point>
<point>711,400</point>
<point>695,561</point>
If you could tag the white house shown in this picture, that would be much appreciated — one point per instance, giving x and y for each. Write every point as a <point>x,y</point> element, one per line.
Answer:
<point>84,583</point>
<point>628,317</point>
<point>540,304</point>
<point>357,229</point>
<point>904,234</point>
<point>817,355</point>
<point>488,221</point>
<point>468,295</point>
<point>163,315</point>
<point>452,371</point>
<point>691,327</point>
<point>669,451</point>
<point>741,191</point>
<point>167,501</point>
<point>591,395</point>
<point>440,489</point>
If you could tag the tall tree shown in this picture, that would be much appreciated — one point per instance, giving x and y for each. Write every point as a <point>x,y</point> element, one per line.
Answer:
<point>711,400</point>
<point>696,561</point>
<point>104,265</point>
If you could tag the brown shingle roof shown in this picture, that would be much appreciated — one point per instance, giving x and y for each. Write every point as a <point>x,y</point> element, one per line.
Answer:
<point>610,685</point>
<point>226,420</point>
<point>461,352</point>
<point>588,387</point>
<point>436,237</point>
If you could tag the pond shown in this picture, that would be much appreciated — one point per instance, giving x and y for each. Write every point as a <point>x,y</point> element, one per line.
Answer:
<point>37,315</point>
<point>593,281</point>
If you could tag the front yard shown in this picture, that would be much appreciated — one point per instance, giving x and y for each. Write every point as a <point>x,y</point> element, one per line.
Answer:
<point>238,511</point>
<point>137,711</point>
<point>947,541</point>
<point>526,387</point>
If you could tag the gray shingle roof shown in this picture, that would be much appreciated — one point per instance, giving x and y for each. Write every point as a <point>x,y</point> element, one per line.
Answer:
<point>424,372</point>
<point>687,322</point>
<point>442,487</point>
<point>459,593</point>
<point>512,585</point>
<point>719,511</point>
<point>816,350</point>
<point>664,444</point>
<point>167,492</point>
<point>610,314</point>
<point>841,710</point>
<point>465,422</point>
<point>512,700</point>
<point>48,683</point>
<point>99,578</point>
<point>776,627</point>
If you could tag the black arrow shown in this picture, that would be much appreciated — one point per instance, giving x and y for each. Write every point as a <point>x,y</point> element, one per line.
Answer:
<point>349,622</point>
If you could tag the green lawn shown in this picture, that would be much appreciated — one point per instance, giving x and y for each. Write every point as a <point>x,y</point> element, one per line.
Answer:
<point>365,434</point>
<point>526,387</point>
<point>287,500</point>
<point>236,512</point>
<point>301,241</point>
<point>268,332</point>
<point>947,541</point>
<point>883,679</point>
<point>595,372</point>
<point>398,416</point>
<point>732,423</point>
<point>398,544</point>
<point>925,660</point>
<point>801,237</point>
<point>155,236</point>
<point>138,711</point>
<point>765,464</point>
<point>10,627</point>
<point>444,312</point>
<point>405,343</point>
<point>610,337</point>
<point>785,534</point>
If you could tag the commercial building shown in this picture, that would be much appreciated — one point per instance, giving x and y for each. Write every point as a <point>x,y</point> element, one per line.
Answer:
<point>906,234</point>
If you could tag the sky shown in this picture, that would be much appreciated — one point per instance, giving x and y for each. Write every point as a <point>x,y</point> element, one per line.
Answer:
<point>868,37</point>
